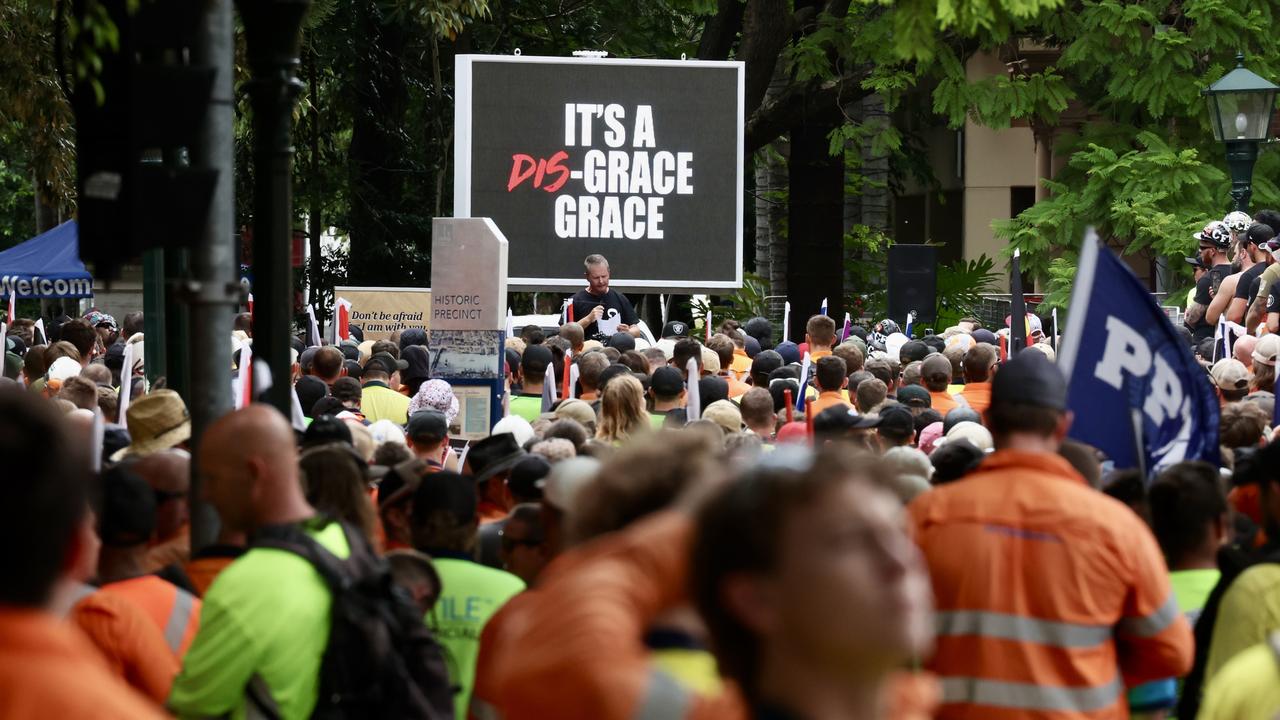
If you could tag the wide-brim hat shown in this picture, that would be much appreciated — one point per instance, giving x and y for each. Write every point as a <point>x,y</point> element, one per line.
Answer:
<point>493,455</point>
<point>157,421</point>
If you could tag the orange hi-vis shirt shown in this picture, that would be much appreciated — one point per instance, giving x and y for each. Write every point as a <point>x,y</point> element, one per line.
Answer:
<point>574,648</point>
<point>944,402</point>
<point>741,364</point>
<point>174,610</point>
<point>131,644</point>
<point>737,388</point>
<point>1051,597</point>
<point>206,566</point>
<point>978,395</point>
<point>49,670</point>
<point>826,399</point>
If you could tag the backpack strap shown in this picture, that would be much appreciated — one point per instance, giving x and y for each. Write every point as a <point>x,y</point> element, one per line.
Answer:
<point>293,539</point>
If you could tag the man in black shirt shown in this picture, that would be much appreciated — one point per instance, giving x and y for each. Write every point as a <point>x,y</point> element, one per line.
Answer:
<point>1214,241</point>
<point>598,301</point>
<point>1254,244</point>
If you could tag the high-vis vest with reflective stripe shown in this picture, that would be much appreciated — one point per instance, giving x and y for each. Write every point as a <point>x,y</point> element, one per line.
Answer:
<point>1051,597</point>
<point>174,610</point>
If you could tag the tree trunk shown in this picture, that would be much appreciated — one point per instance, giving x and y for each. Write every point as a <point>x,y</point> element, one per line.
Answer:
<point>771,207</point>
<point>875,170</point>
<point>815,247</point>
<point>815,219</point>
<point>764,229</point>
<point>380,101</point>
<point>776,177</point>
<point>314,224</point>
<point>46,211</point>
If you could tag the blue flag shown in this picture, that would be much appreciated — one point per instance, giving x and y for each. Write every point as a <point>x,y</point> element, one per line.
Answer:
<point>1137,392</point>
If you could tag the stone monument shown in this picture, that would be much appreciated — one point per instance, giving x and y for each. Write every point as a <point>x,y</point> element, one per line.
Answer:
<point>468,316</point>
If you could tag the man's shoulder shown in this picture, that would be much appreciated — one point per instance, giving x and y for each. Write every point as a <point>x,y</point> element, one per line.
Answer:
<point>1033,490</point>
<point>467,576</point>
<point>1258,582</point>
<point>262,568</point>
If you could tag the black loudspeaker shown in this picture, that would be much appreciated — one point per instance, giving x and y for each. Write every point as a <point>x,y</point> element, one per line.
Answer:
<point>913,282</point>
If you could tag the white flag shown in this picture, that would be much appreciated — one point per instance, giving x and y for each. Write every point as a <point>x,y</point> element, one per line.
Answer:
<point>693,399</point>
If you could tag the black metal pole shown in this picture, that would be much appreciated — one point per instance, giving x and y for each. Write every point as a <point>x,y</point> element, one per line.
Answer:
<point>273,34</point>
<point>213,293</point>
<point>1241,155</point>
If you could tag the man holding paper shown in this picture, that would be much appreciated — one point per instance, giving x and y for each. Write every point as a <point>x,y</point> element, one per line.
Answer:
<point>599,310</point>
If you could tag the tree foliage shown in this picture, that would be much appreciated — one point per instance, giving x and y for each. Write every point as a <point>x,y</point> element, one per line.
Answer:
<point>1143,168</point>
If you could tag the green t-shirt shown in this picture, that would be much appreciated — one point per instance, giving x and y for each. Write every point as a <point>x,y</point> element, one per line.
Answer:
<point>528,407</point>
<point>656,419</point>
<point>471,593</point>
<point>265,620</point>
<point>1191,588</point>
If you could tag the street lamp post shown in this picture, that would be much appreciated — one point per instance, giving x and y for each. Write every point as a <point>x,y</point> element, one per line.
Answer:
<point>273,36</point>
<point>1240,109</point>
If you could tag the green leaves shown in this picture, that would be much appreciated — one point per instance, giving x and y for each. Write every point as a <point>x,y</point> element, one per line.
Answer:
<point>1148,198</point>
<point>920,26</point>
<point>997,101</point>
<point>961,286</point>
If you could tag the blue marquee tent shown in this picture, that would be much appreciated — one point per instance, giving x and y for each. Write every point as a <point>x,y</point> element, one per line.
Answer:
<point>46,266</point>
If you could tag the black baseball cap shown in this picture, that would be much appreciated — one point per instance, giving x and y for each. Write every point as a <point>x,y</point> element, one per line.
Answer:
<point>839,418</point>
<point>896,421</point>
<point>913,350</point>
<point>326,429</point>
<point>1030,378</point>
<point>765,362</point>
<point>536,359</point>
<point>527,475</point>
<point>446,492</point>
<point>914,396</point>
<point>310,389</point>
<point>387,362</point>
<point>760,329</point>
<point>610,372</point>
<point>666,381</point>
<point>674,329</point>
<point>1259,234</point>
<point>354,369</point>
<point>1194,262</point>
<point>427,425</point>
<point>621,342</point>
<point>349,352</point>
<point>114,358</point>
<point>711,389</point>
<point>128,515</point>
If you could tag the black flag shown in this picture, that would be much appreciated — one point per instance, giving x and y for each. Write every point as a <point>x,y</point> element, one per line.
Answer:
<point>1017,309</point>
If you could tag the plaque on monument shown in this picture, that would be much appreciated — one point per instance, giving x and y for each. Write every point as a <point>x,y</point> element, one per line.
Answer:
<point>468,275</point>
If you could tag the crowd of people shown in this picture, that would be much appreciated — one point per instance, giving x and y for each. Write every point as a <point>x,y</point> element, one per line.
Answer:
<point>860,525</point>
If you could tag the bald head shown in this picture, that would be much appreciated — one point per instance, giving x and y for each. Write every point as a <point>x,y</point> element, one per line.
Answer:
<point>250,461</point>
<point>169,475</point>
<point>168,471</point>
<point>1243,349</point>
<point>936,373</point>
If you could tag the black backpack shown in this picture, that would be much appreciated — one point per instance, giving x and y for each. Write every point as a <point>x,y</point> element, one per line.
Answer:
<point>381,660</point>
